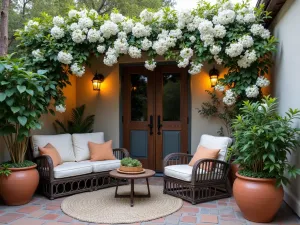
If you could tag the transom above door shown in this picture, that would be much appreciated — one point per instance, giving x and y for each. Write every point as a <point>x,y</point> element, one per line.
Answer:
<point>155,113</point>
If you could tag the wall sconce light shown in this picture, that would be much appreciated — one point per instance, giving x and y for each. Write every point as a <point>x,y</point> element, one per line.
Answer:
<point>97,80</point>
<point>213,75</point>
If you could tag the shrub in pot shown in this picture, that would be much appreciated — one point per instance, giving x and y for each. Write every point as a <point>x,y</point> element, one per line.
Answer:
<point>22,102</point>
<point>130,165</point>
<point>263,141</point>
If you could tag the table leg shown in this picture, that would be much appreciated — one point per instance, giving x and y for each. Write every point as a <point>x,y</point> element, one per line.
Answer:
<point>148,188</point>
<point>116,192</point>
<point>132,192</point>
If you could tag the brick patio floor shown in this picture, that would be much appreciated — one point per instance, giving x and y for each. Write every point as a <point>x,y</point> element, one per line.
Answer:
<point>41,211</point>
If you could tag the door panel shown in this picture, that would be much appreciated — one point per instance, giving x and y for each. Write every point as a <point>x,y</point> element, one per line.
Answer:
<point>155,111</point>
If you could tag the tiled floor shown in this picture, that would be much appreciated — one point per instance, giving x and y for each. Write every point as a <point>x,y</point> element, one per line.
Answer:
<point>43,211</point>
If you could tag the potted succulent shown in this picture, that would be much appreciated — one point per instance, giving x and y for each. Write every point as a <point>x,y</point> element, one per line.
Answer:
<point>130,165</point>
<point>263,142</point>
<point>22,102</point>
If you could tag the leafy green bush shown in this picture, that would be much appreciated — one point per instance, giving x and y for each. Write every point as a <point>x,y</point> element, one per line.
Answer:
<point>264,139</point>
<point>130,162</point>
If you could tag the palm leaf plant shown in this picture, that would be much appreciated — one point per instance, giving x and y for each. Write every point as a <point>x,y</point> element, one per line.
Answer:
<point>77,123</point>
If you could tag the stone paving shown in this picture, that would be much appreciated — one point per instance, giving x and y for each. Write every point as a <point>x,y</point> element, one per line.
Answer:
<point>41,211</point>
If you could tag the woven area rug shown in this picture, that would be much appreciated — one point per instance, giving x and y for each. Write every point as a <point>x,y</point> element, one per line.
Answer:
<point>102,207</point>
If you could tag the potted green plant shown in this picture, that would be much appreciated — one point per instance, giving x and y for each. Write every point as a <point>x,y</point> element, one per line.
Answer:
<point>130,165</point>
<point>22,102</point>
<point>263,142</point>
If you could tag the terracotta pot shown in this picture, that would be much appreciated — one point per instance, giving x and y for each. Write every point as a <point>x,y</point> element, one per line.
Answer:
<point>19,187</point>
<point>131,169</point>
<point>259,199</point>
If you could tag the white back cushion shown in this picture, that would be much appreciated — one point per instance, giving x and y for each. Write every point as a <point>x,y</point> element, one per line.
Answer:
<point>80,142</point>
<point>62,143</point>
<point>213,142</point>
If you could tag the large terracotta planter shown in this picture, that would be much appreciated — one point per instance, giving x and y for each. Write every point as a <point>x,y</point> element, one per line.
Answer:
<point>259,199</point>
<point>19,187</point>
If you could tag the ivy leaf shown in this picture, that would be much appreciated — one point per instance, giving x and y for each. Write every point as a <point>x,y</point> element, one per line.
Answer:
<point>29,92</point>
<point>15,109</point>
<point>2,96</point>
<point>22,120</point>
<point>21,88</point>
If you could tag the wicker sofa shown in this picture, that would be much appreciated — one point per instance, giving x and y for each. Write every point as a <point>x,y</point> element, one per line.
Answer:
<point>77,173</point>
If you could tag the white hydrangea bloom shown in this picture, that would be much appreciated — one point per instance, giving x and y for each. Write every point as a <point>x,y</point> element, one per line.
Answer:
<point>111,57</point>
<point>206,27</point>
<point>208,39</point>
<point>160,46</point>
<point>265,34</point>
<point>150,65</point>
<point>246,41</point>
<point>158,16</point>
<point>229,98</point>
<point>218,59</point>
<point>127,26</point>
<point>101,39</point>
<point>140,30</point>
<point>226,5</point>
<point>83,13</point>
<point>186,53</point>
<point>121,45</point>
<point>64,57</point>
<point>109,28</point>
<point>73,13</point>
<point>171,42</point>
<point>74,26</point>
<point>224,17</point>
<point>249,18</point>
<point>183,63</point>
<point>192,39</point>
<point>219,31</point>
<point>60,108</point>
<point>93,13</point>
<point>38,54</point>
<point>262,82</point>
<point>259,30</point>
<point>215,49</point>
<point>58,21</point>
<point>146,44</point>
<point>122,34</point>
<point>252,91</point>
<point>146,16</point>
<point>239,18</point>
<point>247,59</point>
<point>195,68</point>
<point>31,25</point>
<point>77,70</point>
<point>85,22</point>
<point>93,35</point>
<point>116,17</point>
<point>234,50</point>
<point>101,48</point>
<point>57,32</point>
<point>78,36</point>
<point>175,33</point>
<point>134,52</point>
<point>219,87</point>
<point>184,17</point>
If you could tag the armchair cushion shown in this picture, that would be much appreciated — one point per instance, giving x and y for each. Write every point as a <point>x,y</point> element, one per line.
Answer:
<point>213,142</point>
<point>80,142</point>
<point>70,169</point>
<point>62,143</point>
<point>204,153</point>
<point>106,165</point>
<point>52,152</point>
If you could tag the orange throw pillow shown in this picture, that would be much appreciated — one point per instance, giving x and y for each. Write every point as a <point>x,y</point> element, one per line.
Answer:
<point>51,151</point>
<point>100,152</point>
<point>204,153</point>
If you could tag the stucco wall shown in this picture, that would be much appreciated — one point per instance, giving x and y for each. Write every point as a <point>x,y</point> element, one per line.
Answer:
<point>286,77</point>
<point>105,104</point>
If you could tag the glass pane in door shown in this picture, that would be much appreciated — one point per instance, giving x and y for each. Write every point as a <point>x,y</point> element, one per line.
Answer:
<point>171,97</point>
<point>139,97</point>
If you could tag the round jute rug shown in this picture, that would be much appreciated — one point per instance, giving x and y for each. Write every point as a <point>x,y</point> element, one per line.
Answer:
<point>102,206</point>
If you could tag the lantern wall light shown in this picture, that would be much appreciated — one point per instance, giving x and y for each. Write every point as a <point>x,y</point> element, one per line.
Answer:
<point>97,80</point>
<point>214,75</point>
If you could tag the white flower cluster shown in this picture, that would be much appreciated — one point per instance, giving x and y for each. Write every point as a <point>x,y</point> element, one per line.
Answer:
<point>246,41</point>
<point>64,57</point>
<point>262,82</point>
<point>252,91</point>
<point>208,32</point>
<point>60,108</point>
<point>247,59</point>
<point>38,54</point>
<point>219,87</point>
<point>111,57</point>
<point>85,22</point>
<point>215,49</point>
<point>134,52</point>
<point>259,30</point>
<point>93,35</point>
<point>185,17</point>
<point>234,50</point>
<point>101,48</point>
<point>109,28</point>
<point>146,16</point>
<point>121,46</point>
<point>140,30</point>
<point>117,17</point>
<point>31,25</point>
<point>78,36</point>
<point>73,13</point>
<point>164,42</point>
<point>185,55</point>
<point>229,98</point>
<point>246,16</point>
<point>224,17</point>
<point>150,64</point>
<point>77,70</point>
<point>195,68</point>
<point>146,44</point>
<point>192,39</point>
<point>127,26</point>
<point>57,32</point>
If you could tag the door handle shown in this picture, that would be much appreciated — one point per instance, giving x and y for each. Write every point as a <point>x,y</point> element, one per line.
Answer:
<point>150,125</point>
<point>159,125</point>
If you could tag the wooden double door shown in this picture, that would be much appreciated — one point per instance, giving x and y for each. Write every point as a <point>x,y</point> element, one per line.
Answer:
<point>155,113</point>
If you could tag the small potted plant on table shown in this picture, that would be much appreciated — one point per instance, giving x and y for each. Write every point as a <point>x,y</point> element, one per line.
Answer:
<point>131,165</point>
<point>263,141</point>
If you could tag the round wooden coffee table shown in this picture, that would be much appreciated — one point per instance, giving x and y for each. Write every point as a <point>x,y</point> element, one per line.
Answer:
<point>132,177</point>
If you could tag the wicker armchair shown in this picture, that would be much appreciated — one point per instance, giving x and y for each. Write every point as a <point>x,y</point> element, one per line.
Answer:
<point>207,180</point>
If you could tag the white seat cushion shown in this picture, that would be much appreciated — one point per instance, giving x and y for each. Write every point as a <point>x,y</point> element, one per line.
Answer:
<point>62,143</point>
<point>106,165</point>
<point>212,142</point>
<point>70,169</point>
<point>80,142</point>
